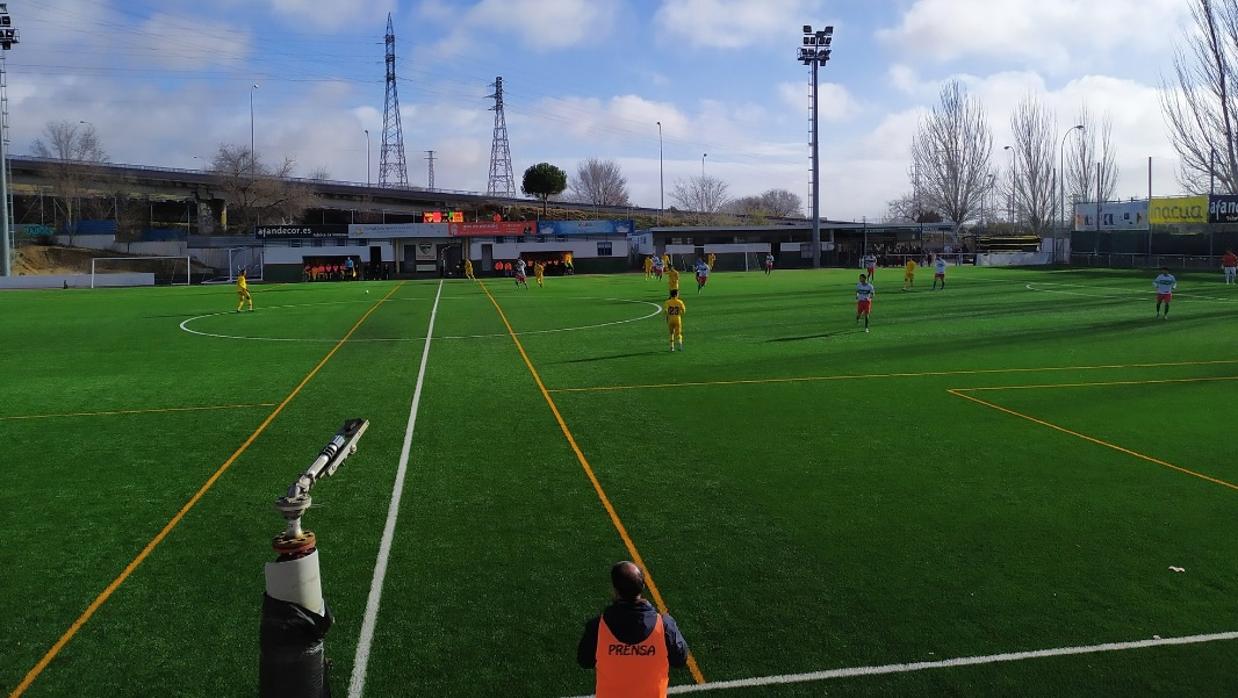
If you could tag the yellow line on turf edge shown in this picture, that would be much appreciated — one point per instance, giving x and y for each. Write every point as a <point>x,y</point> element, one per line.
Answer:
<point>172,523</point>
<point>858,376</point>
<point>156,410</point>
<point>1092,439</point>
<point>597,486</point>
<point>1034,386</point>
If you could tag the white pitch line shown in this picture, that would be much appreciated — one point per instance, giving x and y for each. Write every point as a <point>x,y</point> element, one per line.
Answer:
<point>948,663</point>
<point>184,325</point>
<point>361,659</point>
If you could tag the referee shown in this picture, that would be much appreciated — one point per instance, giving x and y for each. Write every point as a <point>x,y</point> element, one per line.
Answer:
<point>631,645</point>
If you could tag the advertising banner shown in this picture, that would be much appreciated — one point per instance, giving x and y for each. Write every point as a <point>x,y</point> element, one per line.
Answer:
<point>1223,208</point>
<point>491,229</point>
<point>1114,215</point>
<point>1177,210</point>
<point>388,231</point>
<point>442,217</point>
<point>605,227</point>
<point>277,232</point>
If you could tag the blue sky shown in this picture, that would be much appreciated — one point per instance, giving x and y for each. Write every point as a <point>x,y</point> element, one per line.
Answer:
<point>166,82</point>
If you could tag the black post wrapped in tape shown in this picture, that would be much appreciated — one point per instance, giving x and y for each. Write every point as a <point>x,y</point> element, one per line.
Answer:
<point>293,661</point>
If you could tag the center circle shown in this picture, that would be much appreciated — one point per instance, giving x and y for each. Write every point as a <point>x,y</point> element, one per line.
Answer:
<point>185,324</point>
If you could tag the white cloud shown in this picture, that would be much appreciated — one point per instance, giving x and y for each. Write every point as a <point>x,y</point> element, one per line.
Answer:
<point>541,25</point>
<point>733,23</point>
<point>339,15</point>
<point>904,78</point>
<point>835,101</point>
<point>164,37</point>
<point>1053,33</point>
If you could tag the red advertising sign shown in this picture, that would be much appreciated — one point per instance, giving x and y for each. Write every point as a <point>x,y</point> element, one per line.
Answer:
<point>492,229</point>
<point>442,217</point>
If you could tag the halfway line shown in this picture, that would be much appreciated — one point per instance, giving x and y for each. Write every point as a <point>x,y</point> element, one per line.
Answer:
<point>153,410</point>
<point>949,663</point>
<point>361,659</point>
<point>858,376</point>
<point>597,485</point>
<point>176,519</point>
<point>1092,439</point>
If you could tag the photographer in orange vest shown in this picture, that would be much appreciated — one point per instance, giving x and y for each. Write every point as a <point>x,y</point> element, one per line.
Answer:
<point>631,645</point>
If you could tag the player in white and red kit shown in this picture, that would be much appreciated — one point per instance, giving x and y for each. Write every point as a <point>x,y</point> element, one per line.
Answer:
<point>870,266</point>
<point>769,263</point>
<point>1165,284</point>
<point>864,293</point>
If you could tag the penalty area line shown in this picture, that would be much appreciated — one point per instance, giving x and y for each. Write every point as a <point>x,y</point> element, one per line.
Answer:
<point>361,660</point>
<point>903,668</point>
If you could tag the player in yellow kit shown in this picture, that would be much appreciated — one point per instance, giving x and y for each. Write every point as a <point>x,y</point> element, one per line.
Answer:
<point>648,268</point>
<point>909,274</point>
<point>710,260</point>
<point>675,310</point>
<point>666,260</point>
<point>672,279</point>
<point>539,273</point>
<point>242,293</point>
<point>468,269</point>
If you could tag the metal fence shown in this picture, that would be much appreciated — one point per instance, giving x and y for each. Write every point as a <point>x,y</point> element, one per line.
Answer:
<point>1128,260</point>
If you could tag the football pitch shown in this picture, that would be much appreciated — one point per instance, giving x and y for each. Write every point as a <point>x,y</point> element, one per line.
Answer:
<point>987,494</point>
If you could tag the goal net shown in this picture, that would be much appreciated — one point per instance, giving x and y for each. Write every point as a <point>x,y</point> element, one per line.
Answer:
<point>140,271</point>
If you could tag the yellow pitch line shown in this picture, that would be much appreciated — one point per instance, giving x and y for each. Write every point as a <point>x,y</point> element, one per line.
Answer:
<point>1092,439</point>
<point>597,486</point>
<point>153,410</point>
<point>1098,383</point>
<point>172,523</point>
<point>859,376</point>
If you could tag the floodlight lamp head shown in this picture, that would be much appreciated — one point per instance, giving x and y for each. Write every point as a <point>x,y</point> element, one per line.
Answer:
<point>829,30</point>
<point>807,28</point>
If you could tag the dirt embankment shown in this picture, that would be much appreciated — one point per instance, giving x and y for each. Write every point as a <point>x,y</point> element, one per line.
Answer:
<point>36,260</point>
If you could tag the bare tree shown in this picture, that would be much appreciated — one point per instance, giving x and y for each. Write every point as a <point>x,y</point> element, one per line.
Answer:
<point>1034,182</point>
<point>319,174</point>
<point>702,194</point>
<point>601,183</point>
<point>951,152</point>
<point>906,209</point>
<point>1199,105</point>
<point>772,203</point>
<point>1093,146</point>
<point>256,192</point>
<point>73,147</point>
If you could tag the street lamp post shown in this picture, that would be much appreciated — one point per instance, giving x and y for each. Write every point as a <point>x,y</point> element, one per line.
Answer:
<point>703,155</point>
<point>367,157</point>
<point>253,156</point>
<point>1061,168</point>
<point>815,53</point>
<point>661,179</point>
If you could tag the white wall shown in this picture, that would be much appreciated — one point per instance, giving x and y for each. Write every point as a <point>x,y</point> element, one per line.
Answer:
<point>1013,259</point>
<point>724,248</point>
<point>585,249</point>
<point>78,280</point>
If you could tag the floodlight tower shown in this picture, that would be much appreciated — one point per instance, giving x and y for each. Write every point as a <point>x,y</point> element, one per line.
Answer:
<point>815,52</point>
<point>8,37</point>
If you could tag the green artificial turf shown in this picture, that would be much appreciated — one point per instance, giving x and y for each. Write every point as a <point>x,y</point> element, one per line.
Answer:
<point>806,496</point>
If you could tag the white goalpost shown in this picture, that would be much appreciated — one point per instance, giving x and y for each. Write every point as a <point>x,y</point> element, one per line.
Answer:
<point>137,278</point>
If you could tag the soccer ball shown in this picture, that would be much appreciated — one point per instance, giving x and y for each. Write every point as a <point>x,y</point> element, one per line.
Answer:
<point>367,291</point>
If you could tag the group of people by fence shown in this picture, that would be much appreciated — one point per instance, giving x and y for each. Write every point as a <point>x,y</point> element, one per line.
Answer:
<point>333,271</point>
